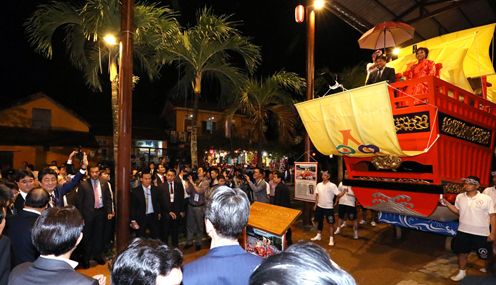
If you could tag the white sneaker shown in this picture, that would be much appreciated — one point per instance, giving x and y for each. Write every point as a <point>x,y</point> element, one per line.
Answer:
<point>461,274</point>
<point>362,222</point>
<point>331,241</point>
<point>316,237</point>
<point>373,224</point>
<point>338,230</point>
<point>355,234</point>
<point>483,270</point>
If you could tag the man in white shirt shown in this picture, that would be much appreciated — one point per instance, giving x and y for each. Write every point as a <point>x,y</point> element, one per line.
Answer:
<point>476,212</point>
<point>324,205</point>
<point>347,209</point>
<point>491,192</point>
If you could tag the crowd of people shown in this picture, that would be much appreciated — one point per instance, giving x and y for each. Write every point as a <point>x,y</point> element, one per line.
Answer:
<point>47,221</point>
<point>55,233</point>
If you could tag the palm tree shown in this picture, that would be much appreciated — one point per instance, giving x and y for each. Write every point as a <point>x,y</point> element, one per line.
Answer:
<point>85,26</point>
<point>203,52</point>
<point>270,98</point>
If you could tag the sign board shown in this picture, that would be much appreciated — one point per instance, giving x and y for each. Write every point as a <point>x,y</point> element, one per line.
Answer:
<point>305,180</point>
<point>267,225</point>
<point>262,243</point>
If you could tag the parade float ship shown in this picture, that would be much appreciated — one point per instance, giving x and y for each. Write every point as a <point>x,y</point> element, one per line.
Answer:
<point>402,151</point>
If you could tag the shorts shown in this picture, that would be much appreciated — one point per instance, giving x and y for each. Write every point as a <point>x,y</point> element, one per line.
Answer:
<point>465,243</point>
<point>347,211</point>
<point>321,213</point>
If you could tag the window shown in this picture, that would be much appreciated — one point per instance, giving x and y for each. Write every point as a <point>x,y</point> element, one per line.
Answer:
<point>42,118</point>
<point>208,127</point>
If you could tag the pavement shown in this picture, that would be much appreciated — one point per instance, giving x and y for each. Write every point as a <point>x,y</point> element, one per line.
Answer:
<point>377,257</point>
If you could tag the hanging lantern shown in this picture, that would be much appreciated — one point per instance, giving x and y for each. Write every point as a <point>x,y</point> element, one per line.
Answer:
<point>300,14</point>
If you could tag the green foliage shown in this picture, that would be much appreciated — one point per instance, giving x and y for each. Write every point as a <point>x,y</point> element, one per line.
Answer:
<point>273,96</point>
<point>84,27</point>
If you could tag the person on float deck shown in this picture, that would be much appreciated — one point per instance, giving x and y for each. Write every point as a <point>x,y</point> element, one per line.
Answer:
<point>422,68</point>
<point>476,212</point>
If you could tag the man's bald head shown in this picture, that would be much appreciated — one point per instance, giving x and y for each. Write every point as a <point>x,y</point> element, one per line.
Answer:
<point>37,198</point>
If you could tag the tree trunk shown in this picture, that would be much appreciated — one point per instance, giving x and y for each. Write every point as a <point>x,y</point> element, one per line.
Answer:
<point>194,121</point>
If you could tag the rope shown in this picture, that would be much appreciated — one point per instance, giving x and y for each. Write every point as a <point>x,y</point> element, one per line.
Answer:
<point>429,146</point>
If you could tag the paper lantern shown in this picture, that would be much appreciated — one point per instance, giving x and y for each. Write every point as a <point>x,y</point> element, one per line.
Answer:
<point>300,14</point>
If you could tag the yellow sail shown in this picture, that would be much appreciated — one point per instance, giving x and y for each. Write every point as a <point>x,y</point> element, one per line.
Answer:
<point>464,54</point>
<point>357,123</point>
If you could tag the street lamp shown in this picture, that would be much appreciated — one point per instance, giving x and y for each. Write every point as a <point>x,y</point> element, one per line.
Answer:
<point>310,72</point>
<point>317,5</point>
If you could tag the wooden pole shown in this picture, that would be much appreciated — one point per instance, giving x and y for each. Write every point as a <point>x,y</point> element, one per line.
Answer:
<point>307,210</point>
<point>125,123</point>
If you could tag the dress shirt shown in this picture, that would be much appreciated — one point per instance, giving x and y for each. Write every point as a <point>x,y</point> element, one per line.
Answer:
<point>98,203</point>
<point>148,200</point>
<point>72,263</point>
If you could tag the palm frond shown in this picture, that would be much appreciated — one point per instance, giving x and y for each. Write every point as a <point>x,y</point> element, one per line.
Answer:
<point>44,22</point>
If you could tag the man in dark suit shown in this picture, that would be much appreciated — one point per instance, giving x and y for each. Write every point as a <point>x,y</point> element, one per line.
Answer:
<point>226,215</point>
<point>48,181</point>
<point>5,197</point>
<point>20,225</point>
<point>171,195</point>
<point>145,210</point>
<point>56,234</point>
<point>95,204</point>
<point>25,181</point>
<point>383,73</point>
<point>282,198</point>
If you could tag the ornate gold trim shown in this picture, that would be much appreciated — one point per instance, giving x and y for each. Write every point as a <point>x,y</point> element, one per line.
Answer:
<point>386,162</point>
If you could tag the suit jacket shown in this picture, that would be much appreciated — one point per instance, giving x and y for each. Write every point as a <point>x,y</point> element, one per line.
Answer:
<point>222,265</point>
<point>281,197</point>
<point>61,190</point>
<point>19,203</point>
<point>387,74</point>
<point>48,271</point>
<point>138,203</point>
<point>4,259</point>
<point>19,232</point>
<point>164,195</point>
<point>259,191</point>
<point>85,199</point>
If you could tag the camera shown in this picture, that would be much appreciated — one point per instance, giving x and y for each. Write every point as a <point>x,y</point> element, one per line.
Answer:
<point>79,155</point>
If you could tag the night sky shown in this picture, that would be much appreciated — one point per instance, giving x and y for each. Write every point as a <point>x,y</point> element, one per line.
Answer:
<point>269,23</point>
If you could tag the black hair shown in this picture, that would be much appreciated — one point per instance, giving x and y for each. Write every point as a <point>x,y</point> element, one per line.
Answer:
<point>426,51</point>
<point>143,261</point>
<point>228,210</point>
<point>302,263</point>
<point>383,57</point>
<point>21,173</point>
<point>57,230</point>
<point>37,198</point>
<point>46,171</point>
<point>277,173</point>
<point>5,198</point>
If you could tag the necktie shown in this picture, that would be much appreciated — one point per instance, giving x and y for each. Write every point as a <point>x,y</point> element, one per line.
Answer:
<point>161,179</point>
<point>147,194</point>
<point>171,187</point>
<point>380,73</point>
<point>97,194</point>
<point>53,200</point>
